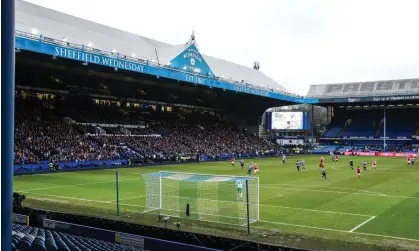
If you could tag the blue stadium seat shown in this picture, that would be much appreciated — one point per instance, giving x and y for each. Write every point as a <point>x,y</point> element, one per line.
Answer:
<point>26,242</point>
<point>26,238</point>
<point>333,131</point>
<point>324,149</point>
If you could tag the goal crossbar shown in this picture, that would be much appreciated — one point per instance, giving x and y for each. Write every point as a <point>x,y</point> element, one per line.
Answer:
<point>199,177</point>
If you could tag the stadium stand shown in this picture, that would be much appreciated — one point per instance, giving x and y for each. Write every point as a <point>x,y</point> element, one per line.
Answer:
<point>32,238</point>
<point>400,123</point>
<point>63,231</point>
<point>40,131</point>
<point>360,124</point>
<point>333,131</point>
<point>324,149</point>
<point>361,115</point>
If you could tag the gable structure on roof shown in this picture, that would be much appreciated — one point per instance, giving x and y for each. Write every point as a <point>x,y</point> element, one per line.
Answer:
<point>191,60</point>
<point>57,25</point>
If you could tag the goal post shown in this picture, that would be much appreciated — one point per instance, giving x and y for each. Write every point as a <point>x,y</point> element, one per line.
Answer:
<point>214,198</point>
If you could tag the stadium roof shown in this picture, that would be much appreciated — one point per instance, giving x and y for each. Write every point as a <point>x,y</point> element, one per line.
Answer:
<point>365,89</point>
<point>57,25</point>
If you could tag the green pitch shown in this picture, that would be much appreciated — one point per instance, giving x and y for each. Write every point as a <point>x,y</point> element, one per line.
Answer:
<point>378,211</point>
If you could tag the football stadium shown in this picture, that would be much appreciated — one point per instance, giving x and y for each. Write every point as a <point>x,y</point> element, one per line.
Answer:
<point>123,142</point>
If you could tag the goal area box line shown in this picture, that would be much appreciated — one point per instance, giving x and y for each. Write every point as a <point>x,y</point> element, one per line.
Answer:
<point>212,198</point>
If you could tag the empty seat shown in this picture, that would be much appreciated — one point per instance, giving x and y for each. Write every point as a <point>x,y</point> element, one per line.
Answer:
<point>26,238</point>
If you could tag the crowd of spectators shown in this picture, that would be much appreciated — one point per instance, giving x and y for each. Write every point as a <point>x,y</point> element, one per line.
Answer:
<point>42,133</point>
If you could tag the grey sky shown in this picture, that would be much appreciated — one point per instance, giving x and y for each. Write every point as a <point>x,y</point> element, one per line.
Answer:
<point>297,42</point>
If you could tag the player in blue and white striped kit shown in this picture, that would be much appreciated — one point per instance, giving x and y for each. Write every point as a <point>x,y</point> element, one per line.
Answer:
<point>242,163</point>
<point>303,165</point>
<point>249,171</point>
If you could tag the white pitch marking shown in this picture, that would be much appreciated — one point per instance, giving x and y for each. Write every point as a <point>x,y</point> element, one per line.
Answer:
<point>386,236</point>
<point>303,226</point>
<point>272,222</point>
<point>82,199</point>
<point>133,197</point>
<point>73,185</point>
<point>344,188</point>
<point>406,173</point>
<point>262,205</point>
<point>363,223</point>
<point>341,192</point>
<point>338,230</point>
<point>315,210</point>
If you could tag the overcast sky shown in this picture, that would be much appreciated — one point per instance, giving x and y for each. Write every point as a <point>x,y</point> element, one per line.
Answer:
<point>297,42</point>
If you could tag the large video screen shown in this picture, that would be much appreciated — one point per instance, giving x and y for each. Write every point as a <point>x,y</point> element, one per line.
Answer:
<point>287,120</point>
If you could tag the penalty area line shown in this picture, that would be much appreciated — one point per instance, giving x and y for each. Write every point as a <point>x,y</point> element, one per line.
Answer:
<point>141,196</point>
<point>363,223</point>
<point>75,185</point>
<point>88,200</point>
<point>326,186</point>
<point>342,192</point>
<point>302,226</point>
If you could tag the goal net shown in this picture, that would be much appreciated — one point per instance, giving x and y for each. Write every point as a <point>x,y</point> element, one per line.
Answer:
<point>213,198</point>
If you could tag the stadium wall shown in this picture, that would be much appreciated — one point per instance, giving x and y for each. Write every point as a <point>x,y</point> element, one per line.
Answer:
<point>43,166</point>
<point>74,166</point>
<point>382,154</point>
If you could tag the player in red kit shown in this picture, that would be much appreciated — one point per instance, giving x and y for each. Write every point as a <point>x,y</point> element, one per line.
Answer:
<point>337,158</point>
<point>408,160</point>
<point>233,161</point>
<point>358,172</point>
<point>255,169</point>
<point>374,165</point>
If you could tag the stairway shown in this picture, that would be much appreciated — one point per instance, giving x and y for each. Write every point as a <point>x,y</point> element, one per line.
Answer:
<point>377,133</point>
<point>347,124</point>
<point>262,132</point>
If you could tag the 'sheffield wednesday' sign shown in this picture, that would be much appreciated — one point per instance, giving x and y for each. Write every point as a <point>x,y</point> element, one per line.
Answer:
<point>98,59</point>
<point>82,55</point>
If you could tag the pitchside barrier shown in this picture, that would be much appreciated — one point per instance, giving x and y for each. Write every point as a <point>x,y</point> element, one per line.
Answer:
<point>43,166</point>
<point>383,154</point>
<point>141,242</point>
